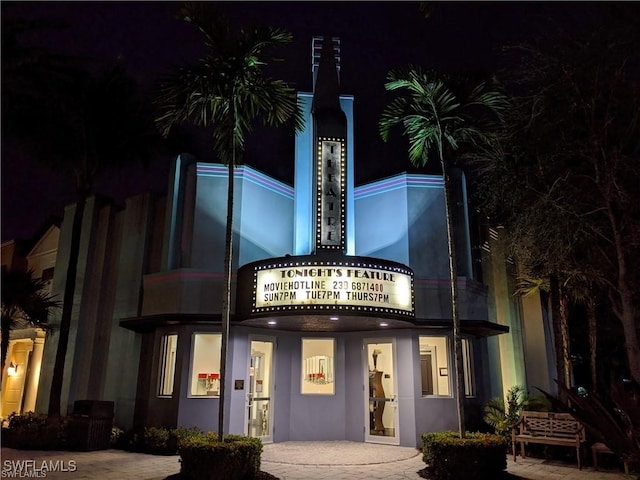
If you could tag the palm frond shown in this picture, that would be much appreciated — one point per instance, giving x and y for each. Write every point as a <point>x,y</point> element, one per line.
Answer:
<point>435,119</point>
<point>25,298</point>
<point>227,89</point>
<point>529,286</point>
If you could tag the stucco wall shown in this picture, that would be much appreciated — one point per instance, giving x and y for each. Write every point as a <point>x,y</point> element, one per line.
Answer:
<point>318,417</point>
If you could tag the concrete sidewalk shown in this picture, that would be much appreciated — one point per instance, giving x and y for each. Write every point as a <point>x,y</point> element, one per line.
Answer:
<point>288,461</point>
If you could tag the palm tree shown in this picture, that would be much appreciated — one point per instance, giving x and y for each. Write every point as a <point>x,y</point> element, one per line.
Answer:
<point>105,125</point>
<point>88,123</point>
<point>227,91</point>
<point>25,302</point>
<point>440,120</point>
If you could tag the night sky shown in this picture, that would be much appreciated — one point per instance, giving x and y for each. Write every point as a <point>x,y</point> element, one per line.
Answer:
<point>376,37</point>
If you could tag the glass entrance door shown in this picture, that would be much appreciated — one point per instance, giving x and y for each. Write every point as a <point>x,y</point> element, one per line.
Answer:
<point>381,410</point>
<point>259,401</point>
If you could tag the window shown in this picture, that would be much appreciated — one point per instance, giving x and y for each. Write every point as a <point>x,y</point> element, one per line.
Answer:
<point>467,362</point>
<point>168,346</point>
<point>205,364</point>
<point>317,366</point>
<point>47,274</point>
<point>434,365</point>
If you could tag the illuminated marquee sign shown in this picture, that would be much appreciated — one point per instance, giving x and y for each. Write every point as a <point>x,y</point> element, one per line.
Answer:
<point>330,193</point>
<point>317,286</point>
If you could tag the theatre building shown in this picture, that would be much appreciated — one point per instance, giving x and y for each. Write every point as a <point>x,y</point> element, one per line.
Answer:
<point>341,313</point>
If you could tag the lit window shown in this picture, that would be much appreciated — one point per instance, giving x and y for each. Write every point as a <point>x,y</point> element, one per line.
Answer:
<point>434,366</point>
<point>205,364</point>
<point>168,346</point>
<point>467,362</point>
<point>317,366</point>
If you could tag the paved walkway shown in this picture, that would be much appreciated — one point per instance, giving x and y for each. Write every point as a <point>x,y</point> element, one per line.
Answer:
<point>288,461</point>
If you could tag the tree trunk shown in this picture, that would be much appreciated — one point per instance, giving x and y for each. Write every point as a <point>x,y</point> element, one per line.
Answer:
<point>630,328</point>
<point>55,395</point>
<point>628,314</point>
<point>627,311</point>
<point>226,299</point>
<point>556,315</point>
<point>593,343</point>
<point>564,328</point>
<point>457,339</point>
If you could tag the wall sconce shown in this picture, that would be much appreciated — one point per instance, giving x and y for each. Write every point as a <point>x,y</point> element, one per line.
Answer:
<point>12,370</point>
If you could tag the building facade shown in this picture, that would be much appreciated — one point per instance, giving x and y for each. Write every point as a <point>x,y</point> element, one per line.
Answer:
<point>341,321</point>
<point>25,351</point>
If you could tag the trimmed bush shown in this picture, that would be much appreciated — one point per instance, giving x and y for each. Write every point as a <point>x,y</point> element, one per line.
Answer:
<point>478,456</point>
<point>187,433</point>
<point>156,440</point>
<point>204,458</point>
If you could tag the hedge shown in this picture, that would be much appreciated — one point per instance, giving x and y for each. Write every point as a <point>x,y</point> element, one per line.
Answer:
<point>478,456</point>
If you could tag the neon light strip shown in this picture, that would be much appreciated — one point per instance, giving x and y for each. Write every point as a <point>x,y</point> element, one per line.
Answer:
<point>402,180</point>
<point>245,172</point>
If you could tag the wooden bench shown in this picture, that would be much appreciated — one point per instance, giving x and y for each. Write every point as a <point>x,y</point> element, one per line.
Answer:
<point>547,428</point>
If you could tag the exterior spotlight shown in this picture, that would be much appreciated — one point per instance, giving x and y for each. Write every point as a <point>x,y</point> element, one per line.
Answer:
<point>272,322</point>
<point>384,324</point>
<point>333,318</point>
<point>12,370</point>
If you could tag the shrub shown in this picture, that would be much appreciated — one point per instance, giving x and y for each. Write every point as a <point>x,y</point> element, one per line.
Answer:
<point>117,437</point>
<point>132,440</point>
<point>159,441</point>
<point>187,433</point>
<point>503,419</point>
<point>255,445</point>
<point>152,440</point>
<point>32,431</point>
<point>478,456</point>
<point>202,457</point>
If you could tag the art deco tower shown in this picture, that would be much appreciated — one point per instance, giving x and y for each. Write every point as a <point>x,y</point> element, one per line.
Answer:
<point>330,137</point>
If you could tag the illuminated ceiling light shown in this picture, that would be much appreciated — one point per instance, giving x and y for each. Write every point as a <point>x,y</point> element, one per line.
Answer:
<point>333,318</point>
<point>384,324</point>
<point>272,322</point>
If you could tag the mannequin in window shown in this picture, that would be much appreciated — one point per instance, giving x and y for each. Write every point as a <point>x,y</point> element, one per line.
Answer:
<point>377,391</point>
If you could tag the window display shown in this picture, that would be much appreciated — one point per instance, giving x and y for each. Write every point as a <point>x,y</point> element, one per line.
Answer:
<point>317,366</point>
<point>205,364</point>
